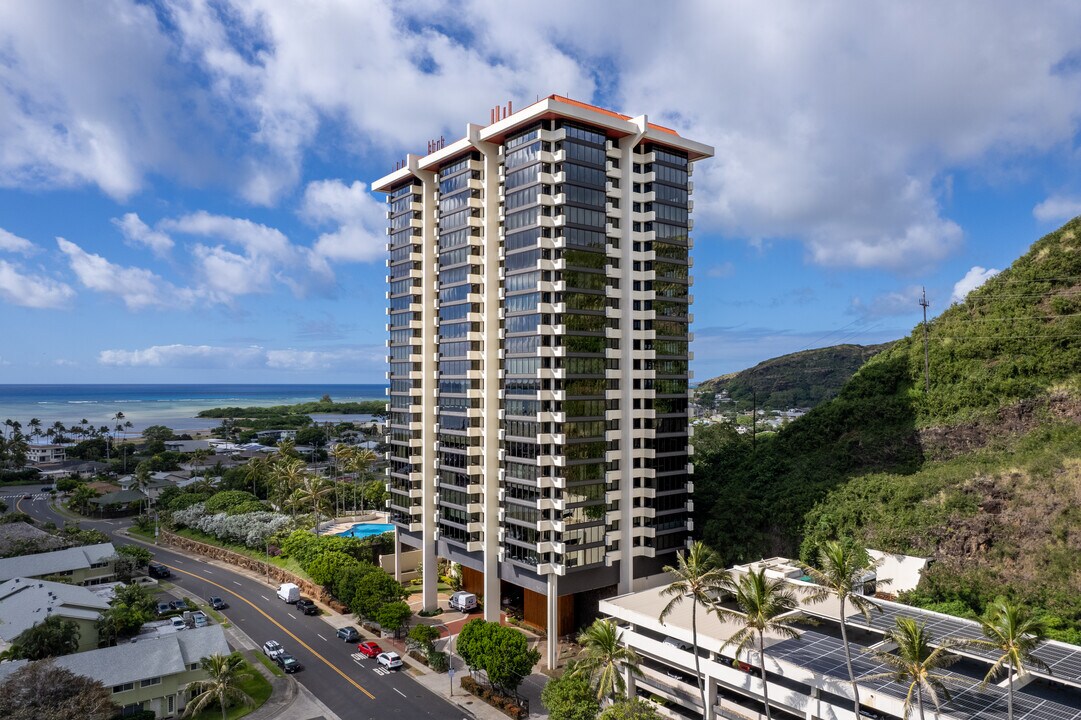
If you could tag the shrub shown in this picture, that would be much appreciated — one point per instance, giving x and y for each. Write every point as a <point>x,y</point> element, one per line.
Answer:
<point>227,499</point>
<point>438,660</point>
<point>249,507</point>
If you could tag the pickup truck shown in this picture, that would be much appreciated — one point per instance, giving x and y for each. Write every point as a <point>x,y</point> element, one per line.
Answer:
<point>307,607</point>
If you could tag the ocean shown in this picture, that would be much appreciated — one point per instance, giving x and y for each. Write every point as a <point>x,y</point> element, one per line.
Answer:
<point>174,406</point>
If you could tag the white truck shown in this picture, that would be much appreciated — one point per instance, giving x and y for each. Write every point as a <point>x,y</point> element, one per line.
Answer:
<point>289,592</point>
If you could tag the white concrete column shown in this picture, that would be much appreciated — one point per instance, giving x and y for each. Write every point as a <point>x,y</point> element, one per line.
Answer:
<point>631,681</point>
<point>552,649</point>
<point>397,556</point>
<point>429,259</point>
<point>711,698</point>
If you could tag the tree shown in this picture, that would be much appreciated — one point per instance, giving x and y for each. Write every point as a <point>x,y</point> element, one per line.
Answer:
<point>1011,630</point>
<point>43,691</point>
<point>375,590</point>
<point>604,658</point>
<point>570,698</point>
<point>423,637</point>
<point>700,577</point>
<point>841,566</point>
<point>52,637</point>
<point>141,481</point>
<point>765,605</point>
<point>81,497</point>
<point>223,687</point>
<point>633,709</point>
<point>915,663</point>
<point>501,652</point>
<point>130,558</point>
<point>394,616</point>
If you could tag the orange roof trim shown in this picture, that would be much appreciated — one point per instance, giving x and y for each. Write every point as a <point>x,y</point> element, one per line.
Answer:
<point>610,113</point>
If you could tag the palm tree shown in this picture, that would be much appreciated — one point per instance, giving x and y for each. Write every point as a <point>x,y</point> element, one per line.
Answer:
<point>141,481</point>
<point>700,577</point>
<point>287,474</point>
<point>766,605</point>
<point>1014,632</point>
<point>313,490</point>
<point>254,472</point>
<point>198,457</point>
<point>35,428</point>
<point>604,658</point>
<point>915,663</point>
<point>226,672</point>
<point>842,565</point>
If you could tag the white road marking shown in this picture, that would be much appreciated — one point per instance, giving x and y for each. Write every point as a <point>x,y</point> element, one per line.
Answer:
<point>265,598</point>
<point>321,637</point>
<point>236,583</point>
<point>399,692</point>
<point>291,615</point>
<point>208,572</point>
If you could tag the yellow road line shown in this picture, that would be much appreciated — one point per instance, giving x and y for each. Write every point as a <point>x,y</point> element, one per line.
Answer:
<point>259,610</point>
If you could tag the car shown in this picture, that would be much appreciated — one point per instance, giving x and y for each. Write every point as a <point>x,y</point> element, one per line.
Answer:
<point>368,648</point>
<point>272,648</point>
<point>200,619</point>
<point>179,624</point>
<point>389,660</point>
<point>164,608</point>
<point>47,488</point>
<point>157,570</point>
<point>348,633</point>
<point>288,663</point>
<point>27,497</point>
<point>307,606</point>
<point>178,605</point>
<point>217,603</point>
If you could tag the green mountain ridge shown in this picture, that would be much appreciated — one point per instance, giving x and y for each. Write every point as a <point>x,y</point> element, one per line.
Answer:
<point>981,471</point>
<point>798,380</point>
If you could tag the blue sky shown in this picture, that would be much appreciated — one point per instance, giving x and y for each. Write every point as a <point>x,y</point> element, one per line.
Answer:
<point>184,185</point>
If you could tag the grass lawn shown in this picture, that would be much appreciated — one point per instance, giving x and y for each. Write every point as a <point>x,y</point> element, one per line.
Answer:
<point>257,686</point>
<point>142,534</point>
<point>412,589</point>
<point>259,554</point>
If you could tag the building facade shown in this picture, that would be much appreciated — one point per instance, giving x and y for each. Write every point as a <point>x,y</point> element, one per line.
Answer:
<point>539,303</point>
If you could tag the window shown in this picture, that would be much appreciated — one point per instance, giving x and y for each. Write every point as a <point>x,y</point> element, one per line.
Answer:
<point>123,688</point>
<point>150,681</point>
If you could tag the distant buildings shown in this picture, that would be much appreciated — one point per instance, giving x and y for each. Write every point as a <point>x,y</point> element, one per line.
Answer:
<point>38,454</point>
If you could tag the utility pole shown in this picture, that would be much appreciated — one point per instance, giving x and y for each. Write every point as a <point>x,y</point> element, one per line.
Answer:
<point>926,360</point>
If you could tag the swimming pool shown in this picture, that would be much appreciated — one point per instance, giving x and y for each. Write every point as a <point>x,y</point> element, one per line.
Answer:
<point>363,530</point>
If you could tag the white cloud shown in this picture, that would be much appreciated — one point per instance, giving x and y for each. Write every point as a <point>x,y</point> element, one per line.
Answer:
<point>267,256</point>
<point>892,304</point>
<point>137,287</point>
<point>724,270</point>
<point>136,233</point>
<point>1057,208</point>
<point>185,356</point>
<point>253,356</point>
<point>359,217</point>
<point>973,279</point>
<point>9,242</point>
<point>32,291</point>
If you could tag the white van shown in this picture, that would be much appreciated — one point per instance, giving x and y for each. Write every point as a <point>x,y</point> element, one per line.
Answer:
<point>463,601</point>
<point>289,592</point>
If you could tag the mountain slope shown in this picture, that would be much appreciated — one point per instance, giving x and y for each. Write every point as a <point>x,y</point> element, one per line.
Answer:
<point>803,379</point>
<point>983,472</point>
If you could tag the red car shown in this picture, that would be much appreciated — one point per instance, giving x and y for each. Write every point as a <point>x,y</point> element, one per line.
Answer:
<point>369,649</point>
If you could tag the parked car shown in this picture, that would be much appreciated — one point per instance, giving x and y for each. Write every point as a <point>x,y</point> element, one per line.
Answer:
<point>157,570</point>
<point>178,623</point>
<point>164,608</point>
<point>369,648</point>
<point>217,603</point>
<point>178,605</point>
<point>272,648</point>
<point>307,606</point>
<point>200,619</point>
<point>348,633</point>
<point>389,660</point>
<point>288,663</point>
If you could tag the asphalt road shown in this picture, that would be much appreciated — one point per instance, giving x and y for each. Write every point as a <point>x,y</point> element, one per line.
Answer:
<point>352,687</point>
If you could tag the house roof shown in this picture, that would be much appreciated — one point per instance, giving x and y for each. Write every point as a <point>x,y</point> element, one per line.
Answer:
<point>120,497</point>
<point>13,534</point>
<point>57,561</point>
<point>148,658</point>
<point>24,602</point>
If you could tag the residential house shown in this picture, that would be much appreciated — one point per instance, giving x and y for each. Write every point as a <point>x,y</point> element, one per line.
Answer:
<point>151,674</point>
<point>37,454</point>
<point>25,602</point>
<point>86,565</point>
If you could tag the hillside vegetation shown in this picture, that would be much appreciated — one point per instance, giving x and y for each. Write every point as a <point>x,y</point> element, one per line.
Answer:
<point>982,471</point>
<point>799,380</point>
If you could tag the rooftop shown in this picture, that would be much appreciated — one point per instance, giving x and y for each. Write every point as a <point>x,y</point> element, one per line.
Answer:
<point>57,561</point>
<point>25,602</point>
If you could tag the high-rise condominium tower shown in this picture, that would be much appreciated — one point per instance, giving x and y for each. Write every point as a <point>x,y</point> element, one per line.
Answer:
<point>539,306</point>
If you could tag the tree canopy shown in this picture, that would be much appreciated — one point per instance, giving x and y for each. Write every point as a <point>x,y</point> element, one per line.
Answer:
<point>501,652</point>
<point>43,691</point>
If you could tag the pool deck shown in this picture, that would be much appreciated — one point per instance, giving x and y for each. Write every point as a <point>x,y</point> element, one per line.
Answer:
<point>340,526</point>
